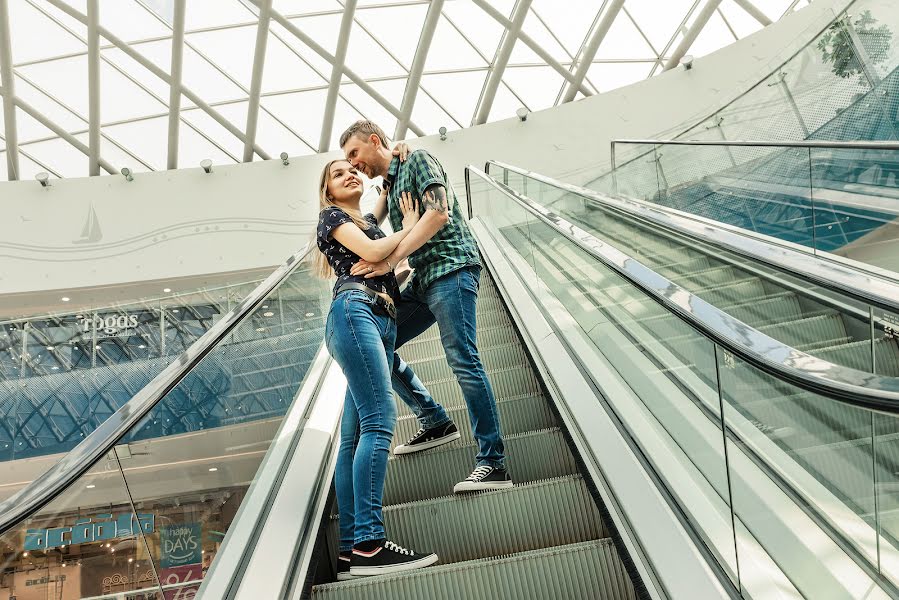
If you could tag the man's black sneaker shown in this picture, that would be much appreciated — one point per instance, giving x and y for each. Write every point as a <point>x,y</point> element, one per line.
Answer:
<point>484,478</point>
<point>426,439</point>
<point>343,566</point>
<point>387,557</point>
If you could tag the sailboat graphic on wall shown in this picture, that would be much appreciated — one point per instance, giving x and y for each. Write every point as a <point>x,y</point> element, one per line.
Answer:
<point>91,231</point>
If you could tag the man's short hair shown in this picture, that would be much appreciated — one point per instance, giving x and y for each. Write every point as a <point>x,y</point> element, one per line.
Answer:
<point>363,129</point>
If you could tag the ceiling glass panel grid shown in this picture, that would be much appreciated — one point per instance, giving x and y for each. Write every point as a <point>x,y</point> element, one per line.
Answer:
<point>219,59</point>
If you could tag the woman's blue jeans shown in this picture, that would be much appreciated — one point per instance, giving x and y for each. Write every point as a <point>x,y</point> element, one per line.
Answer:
<point>361,340</point>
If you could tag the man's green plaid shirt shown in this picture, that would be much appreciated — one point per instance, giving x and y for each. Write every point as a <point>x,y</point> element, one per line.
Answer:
<point>451,248</point>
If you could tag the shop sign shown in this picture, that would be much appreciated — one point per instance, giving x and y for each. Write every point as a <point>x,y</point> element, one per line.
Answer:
<point>111,325</point>
<point>181,583</point>
<point>45,580</point>
<point>181,545</point>
<point>100,528</point>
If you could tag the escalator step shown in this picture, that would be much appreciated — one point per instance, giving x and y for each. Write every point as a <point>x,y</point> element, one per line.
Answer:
<point>531,456</point>
<point>529,516</point>
<point>506,383</point>
<point>807,330</point>
<point>516,415</point>
<point>573,572</point>
<point>423,349</point>
<point>494,359</point>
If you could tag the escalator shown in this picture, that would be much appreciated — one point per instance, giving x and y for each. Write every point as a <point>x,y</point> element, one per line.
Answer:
<point>665,443</point>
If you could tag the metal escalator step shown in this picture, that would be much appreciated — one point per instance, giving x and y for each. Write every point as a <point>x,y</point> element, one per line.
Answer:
<point>531,456</point>
<point>856,355</point>
<point>808,330</point>
<point>812,346</point>
<point>493,359</point>
<point>775,308</point>
<point>516,415</point>
<point>716,275</point>
<point>747,289</point>
<point>424,349</point>
<point>529,516</point>
<point>586,570</point>
<point>487,319</point>
<point>506,383</point>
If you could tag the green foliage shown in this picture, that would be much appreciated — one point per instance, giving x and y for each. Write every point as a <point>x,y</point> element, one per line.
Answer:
<point>837,48</point>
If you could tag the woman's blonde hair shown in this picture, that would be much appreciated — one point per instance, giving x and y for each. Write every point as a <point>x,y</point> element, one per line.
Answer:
<point>320,266</point>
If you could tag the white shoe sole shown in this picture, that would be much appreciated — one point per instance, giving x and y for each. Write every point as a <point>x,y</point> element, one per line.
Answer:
<point>404,449</point>
<point>424,561</point>
<point>466,486</point>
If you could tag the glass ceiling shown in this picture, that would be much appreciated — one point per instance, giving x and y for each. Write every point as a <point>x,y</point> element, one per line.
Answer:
<point>160,84</point>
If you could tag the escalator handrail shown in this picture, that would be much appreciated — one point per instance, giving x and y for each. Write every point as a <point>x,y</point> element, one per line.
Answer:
<point>856,284</point>
<point>103,439</point>
<point>856,388</point>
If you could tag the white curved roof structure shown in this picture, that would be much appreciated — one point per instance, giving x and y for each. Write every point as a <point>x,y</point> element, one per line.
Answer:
<point>92,86</point>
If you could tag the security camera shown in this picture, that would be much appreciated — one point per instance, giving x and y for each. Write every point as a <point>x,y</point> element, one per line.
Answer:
<point>687,62</point>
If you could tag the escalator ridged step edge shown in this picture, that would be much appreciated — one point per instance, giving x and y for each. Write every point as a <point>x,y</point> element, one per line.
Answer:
<point>581,571</point>
<point>531,456</point>
<point>807,330</point>
<point>506,383</point>
<point>529,516</point>
<point>516,415</point>
<point>422,350</point>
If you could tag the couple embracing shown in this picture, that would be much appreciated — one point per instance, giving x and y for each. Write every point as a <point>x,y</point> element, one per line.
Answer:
<point>370,319</point>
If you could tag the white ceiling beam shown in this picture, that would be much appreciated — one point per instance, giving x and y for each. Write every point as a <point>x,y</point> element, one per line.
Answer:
<point>359,81</point>
<point>754,11</point>
<point>59,131</point>
<point>531,43</point>
<point>165,77</point>
<point>418,67</point>
<point>589,53</point>
<point>93,82</point>
<point>265,18</point>
<point>696,28</point>
<point>343,41</point>
<point>7,78</point>
<point>175,85</point>
<point>502,60</point>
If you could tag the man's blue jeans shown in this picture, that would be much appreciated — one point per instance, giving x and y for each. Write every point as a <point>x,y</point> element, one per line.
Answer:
<point>361,340</point>
<point>451,302</point>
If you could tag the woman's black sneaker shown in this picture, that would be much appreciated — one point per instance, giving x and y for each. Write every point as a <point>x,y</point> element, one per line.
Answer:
<point>484,478</point>
<point>343,566</point>
<point>426,439</point>
<point>382,557</point>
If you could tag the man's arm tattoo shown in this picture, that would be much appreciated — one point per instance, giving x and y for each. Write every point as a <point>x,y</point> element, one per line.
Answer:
<point>435,199</point>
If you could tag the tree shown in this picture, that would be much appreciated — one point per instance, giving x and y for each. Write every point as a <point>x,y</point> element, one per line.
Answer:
<point>837,48</point>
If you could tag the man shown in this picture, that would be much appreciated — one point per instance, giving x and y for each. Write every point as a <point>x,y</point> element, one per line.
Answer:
<point>443,289</point>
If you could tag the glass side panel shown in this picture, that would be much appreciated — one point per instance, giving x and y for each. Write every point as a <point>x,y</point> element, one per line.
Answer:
<point>648,347</point>
<point>187,465</point>
<point>783,305</point>
<point>856,203</point>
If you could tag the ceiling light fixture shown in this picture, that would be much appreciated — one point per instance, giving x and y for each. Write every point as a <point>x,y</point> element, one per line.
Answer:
<point>43,178</point>
<point>522,114</point>
<point>207,165</point>
<point>65,298</point>
<point>166,290</point>
<point>687,62</point>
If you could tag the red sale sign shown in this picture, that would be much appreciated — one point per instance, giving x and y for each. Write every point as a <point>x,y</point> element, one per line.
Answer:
<point>181,583</point>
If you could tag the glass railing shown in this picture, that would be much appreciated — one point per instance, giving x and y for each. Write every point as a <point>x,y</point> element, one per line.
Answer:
<point>62,375</point>
<point>771,454</point>
<point>854,324</point>
<point>146,517</point>
<point>836,199</point>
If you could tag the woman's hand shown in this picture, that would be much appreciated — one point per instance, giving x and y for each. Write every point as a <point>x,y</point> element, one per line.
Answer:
<point>402,150</point>
<point>409,206</point>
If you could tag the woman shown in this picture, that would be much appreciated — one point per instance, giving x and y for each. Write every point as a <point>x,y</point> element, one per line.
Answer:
<point>360,335</point>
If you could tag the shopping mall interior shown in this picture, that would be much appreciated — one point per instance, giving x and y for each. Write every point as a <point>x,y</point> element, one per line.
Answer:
<point>686,214</point>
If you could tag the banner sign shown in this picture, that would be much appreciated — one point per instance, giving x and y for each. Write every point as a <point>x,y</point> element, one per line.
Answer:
<point>181,583</point>
<point>181,545</point>
<point>100,528</point>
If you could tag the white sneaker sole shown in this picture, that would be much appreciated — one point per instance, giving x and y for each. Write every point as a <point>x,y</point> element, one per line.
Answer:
<point>424,561</point>
<point>404,449</point>
<point>467,486</point>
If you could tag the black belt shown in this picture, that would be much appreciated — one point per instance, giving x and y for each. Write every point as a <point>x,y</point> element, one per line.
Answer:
<point>379,301</point>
